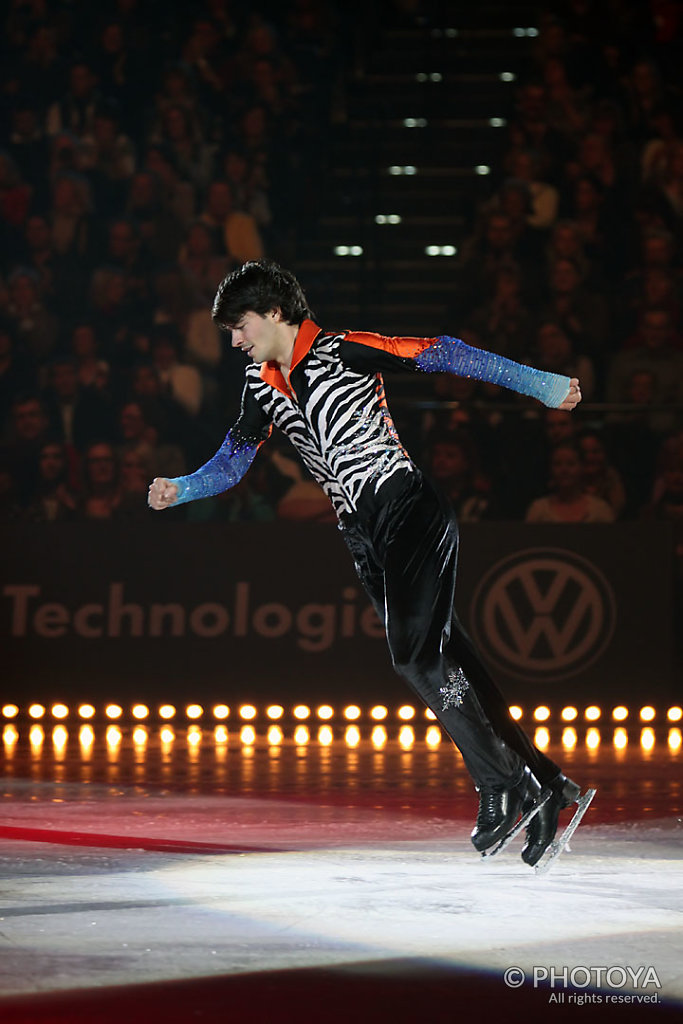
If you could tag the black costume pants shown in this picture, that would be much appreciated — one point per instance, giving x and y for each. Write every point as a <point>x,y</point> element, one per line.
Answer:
<point>406,558</point>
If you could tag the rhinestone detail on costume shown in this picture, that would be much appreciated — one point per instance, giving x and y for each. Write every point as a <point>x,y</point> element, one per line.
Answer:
<point>454,691</point>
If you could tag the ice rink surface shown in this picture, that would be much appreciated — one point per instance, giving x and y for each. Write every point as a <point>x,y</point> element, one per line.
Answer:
<point>221,882</point>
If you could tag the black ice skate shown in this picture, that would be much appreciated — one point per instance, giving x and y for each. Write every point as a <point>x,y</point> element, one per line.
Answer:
<point>541,847</point>
<point>499,820</point>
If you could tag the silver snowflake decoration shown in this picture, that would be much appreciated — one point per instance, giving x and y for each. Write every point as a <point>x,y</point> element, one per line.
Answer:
<point>454,691</point>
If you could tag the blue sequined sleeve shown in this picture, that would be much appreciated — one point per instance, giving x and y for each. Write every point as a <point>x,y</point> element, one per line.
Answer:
<point>225,469</point>
<point>451,355</point>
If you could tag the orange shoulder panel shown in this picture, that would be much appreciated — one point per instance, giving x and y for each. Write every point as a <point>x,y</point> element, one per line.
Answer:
<point>405,348</point>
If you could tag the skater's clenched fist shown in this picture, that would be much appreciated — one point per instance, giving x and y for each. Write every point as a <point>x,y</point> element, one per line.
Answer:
<point>162,493</point>
<point>573,395</point>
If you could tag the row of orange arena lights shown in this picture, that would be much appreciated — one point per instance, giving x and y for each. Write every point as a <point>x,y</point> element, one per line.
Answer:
<point>325,713</point>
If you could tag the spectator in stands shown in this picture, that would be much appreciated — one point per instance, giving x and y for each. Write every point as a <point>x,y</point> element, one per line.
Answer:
<point>671,185</point>
<point>142,429</point>
<point>28,431</point>
<point>178,197</point>
<point>52,500</point>
<point>178,379</point>
<point>134,470</point>
<point>15,199</point>
<point>191,154</point>
<point>86,352</point>
<point>78,415</point>
<point>17,375</point>
<point>503,321</point>
<point>667,506</point>
<point>654,351</point>
<point>27,144</point>
<point>543,197</point>
<point>70,216</point>
<point>201,263</point>
<point>454,465</point>
<point>582,314</point>
<point>159,227</point>
<point>568,501</point>
<point>235,230</point>
<point>75,112</point>
<point>555,352</point>
<point>600,478</point>
<point>633,442</point>
<point>101,491</point>
<point>34,326</point>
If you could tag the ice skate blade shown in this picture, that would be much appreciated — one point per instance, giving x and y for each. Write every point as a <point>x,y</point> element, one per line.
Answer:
<point>558,845</point>
<point>516,828</point>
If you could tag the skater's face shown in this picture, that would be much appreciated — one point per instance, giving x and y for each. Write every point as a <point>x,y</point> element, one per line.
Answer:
<point>260,336</point>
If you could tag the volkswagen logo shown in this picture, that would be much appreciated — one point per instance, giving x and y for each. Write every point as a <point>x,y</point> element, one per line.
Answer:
<point>543,612</point>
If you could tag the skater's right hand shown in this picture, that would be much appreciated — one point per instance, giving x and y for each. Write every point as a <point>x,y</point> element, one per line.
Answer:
<point>162,493</point>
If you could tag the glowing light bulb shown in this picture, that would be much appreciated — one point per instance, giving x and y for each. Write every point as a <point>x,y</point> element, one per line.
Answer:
<point>406,736</point>
<point>167,711</point>
<point>352,712</point>
<point>301,735</point>
<point>86,736</point>
<point>60,737</point>
<point>86,711</point>
<point>275,711</point>
<point>569,714</point>
<point>248,712</point>
<point>515,712</point>
<point>275,736</point>
<point>542,713</point>
<point>378,736</point>
<point>542,737</point>
<point>406,713</point>
<point>113,737</point>
<point>59,711</point>
<point>379,713</point>
<point>36,737</point>
<point>301,712</point>
<point>325,735</point>
<point>352,736</point>
<point>620,739</point>
<point>433,736</point>
<point>593,739</point>
<point>194,711</point>
<point>247,735</point>
<point>569,738</point>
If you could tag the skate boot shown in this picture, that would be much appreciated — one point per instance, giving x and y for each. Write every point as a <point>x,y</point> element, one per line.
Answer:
<point>499,809</point>
<point>540,832</point>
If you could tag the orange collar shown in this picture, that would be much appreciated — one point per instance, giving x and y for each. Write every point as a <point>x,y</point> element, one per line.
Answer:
<point>271,373</point>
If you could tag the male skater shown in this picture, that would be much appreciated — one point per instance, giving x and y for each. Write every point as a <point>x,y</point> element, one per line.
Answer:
<point>325,391</point>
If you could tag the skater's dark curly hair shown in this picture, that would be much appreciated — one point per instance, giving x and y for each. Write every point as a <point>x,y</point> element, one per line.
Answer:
<point>260,286</point>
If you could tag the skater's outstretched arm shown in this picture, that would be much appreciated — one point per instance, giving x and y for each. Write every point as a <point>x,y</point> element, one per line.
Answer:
<point>225,469</point>
<point>451,355</point>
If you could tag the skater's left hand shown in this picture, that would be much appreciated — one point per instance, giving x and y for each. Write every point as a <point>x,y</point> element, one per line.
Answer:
<point>573,396</point>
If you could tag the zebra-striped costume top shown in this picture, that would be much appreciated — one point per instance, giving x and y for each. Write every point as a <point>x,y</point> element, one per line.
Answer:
<point>334,411</point>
